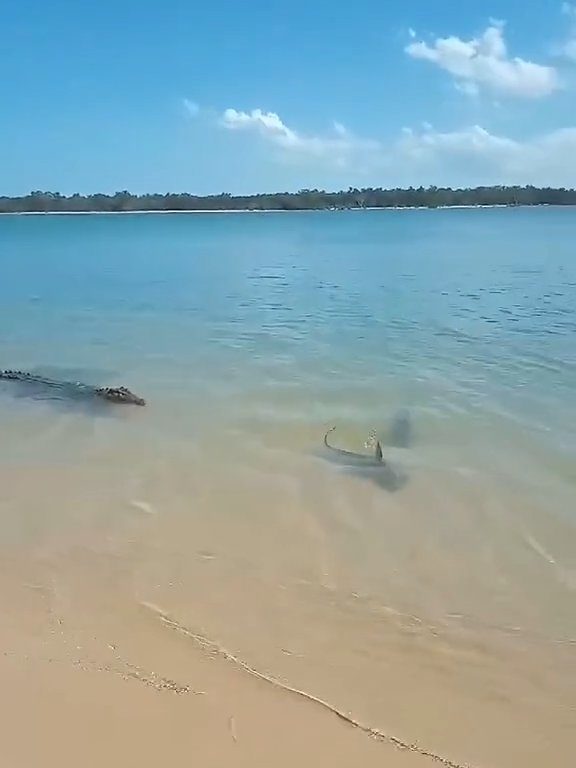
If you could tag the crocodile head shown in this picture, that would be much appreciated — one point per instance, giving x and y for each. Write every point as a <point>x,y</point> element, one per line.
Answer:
<point>120,395</point>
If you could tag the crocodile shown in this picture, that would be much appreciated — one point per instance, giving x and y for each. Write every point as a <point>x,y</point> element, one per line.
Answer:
<point>110,394</point>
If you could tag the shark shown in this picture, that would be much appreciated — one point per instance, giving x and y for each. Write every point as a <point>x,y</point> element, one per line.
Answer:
<point>369,466</point>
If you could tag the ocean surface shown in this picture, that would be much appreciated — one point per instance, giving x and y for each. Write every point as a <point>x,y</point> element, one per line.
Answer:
<point>250,335</point>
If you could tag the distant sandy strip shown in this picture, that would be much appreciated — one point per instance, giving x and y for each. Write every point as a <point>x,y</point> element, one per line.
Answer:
<point>267,210</point>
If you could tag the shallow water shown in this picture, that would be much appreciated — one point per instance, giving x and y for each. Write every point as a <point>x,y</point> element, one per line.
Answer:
<point>250,335</point>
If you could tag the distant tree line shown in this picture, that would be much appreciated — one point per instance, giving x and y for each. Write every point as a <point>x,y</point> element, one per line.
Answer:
<point>305,199</point>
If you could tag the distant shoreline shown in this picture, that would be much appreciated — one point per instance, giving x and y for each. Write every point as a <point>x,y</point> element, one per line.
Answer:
<point>352,199</point>
<point>365,199</point>
<point>282,210</point>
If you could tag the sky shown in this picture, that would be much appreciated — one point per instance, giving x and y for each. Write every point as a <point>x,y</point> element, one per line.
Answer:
<point>275,95</point>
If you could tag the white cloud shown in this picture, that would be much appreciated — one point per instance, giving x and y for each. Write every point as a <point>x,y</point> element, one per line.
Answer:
<point>424,155</point>
<point>340,129</point>
<point>339,147</point>
<point>428,145</point>
<point>191,107</point>
<point>568,47</point>
<point>483,62</point>
<point>267,124</point>
<point>474,155</point>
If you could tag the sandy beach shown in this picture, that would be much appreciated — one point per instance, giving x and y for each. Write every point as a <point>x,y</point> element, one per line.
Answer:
<point>140,632</point>
<point>264,210</point>
<point>128,685</point>
<point>170,699</point>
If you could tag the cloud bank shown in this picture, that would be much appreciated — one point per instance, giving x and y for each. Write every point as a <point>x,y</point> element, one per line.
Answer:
<point>549,158</point>
<point>483,63</point>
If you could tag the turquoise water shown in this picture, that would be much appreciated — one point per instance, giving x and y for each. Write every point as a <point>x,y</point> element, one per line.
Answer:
<point>462,313</point>
<point>251,334</point>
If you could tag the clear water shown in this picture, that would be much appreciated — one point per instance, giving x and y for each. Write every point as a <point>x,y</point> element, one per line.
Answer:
<point>467,316</point>
<point>250,335</point>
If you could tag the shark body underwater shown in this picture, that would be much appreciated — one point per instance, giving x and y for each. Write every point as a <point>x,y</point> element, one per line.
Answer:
<point>373,466</point>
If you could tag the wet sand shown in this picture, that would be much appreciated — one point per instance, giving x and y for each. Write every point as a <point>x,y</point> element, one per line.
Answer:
<point>98,677</point>
<point>70,699</point>
<point>278,612</point>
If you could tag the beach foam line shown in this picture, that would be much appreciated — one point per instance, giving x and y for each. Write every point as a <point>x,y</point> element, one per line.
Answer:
<point>215,648</point>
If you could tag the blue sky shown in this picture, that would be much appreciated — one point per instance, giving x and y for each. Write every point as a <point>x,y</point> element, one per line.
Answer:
<point>270,95</point>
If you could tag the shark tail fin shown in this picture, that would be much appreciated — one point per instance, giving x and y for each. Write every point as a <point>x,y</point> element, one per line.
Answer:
<point>332,429</point>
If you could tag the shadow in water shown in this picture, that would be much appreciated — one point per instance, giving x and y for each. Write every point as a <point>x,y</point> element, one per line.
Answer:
<point>64,389</point>
<point>400,432</point>
<point>389,477</point>
<point>97,377</point>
